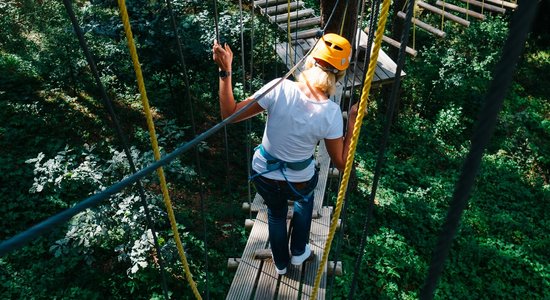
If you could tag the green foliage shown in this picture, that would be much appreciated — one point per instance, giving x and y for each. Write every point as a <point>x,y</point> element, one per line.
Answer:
<point>18,77</point>
<point>51,112</point>
<point>457,69</point>
<point>498,250</point>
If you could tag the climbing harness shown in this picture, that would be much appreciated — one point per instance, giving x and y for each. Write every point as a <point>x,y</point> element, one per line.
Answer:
<point>274,164</point>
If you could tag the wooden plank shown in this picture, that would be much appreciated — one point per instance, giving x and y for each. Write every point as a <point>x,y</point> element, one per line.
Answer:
<point>386,67</point>
<point>302,46</point>
<point>289,287</point>
<point>460,10</point>
<point>267,282</point>
<point>246,274</point>
<point>304,34</point>
<point>267,3</point>
<point>258,204</point>
<point>282,8</point>
<point>385,73</point>
<point>424,26</point>
<point>445,14</point>
<point>334,268</point>
<point>233,263</point>
<point>485,6</point>
<point>268,277</point>
<point>283,17</point>
<point>504,4</point>
<point>309,43</point>
<point>314,21</point>
<point>262,253</point>
<point>324,163</point>
<point>318,236</point>
<point>396,44</point>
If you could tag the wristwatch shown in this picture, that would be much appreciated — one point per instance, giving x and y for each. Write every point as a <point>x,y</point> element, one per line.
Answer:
<point>224,74</point>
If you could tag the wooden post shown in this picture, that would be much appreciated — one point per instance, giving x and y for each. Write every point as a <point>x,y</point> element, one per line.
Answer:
<point>333,173</point>
<point>396,26</point>
<point>233,263</point>
<point>485,6</point>
<point>262,3</point>
<point>262,253</point>
<point>396,44</point>
<point>445,14</point>
<point>460,10</point>
<point>504,3</point>
<point>245,207</point>
<point>337,271</point>
<point>248,223</point>
<point>424,26</point>
<point>283,7</point>
<point>346,11</point>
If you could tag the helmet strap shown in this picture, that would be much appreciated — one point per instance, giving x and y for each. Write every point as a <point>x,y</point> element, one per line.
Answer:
<point>326,69</point>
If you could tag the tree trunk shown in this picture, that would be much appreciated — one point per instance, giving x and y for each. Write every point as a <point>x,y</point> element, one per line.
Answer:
<point>396,27</point>
<point>342,14</point>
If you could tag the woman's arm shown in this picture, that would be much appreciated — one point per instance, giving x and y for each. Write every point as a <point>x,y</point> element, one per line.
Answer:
<point>223,56</point>
<point>338,148</point>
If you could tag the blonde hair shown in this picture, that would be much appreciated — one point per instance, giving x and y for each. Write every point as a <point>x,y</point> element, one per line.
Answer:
<point>319,78</point>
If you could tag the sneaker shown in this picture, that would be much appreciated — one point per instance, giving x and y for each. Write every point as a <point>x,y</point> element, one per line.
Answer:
<point>280,272</point>
<point>298,260</point>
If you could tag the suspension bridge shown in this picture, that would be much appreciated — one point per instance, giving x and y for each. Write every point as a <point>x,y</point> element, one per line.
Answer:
<point>255,275</point>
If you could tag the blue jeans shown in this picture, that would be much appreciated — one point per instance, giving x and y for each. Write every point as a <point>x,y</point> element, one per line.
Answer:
<point>275,196</point>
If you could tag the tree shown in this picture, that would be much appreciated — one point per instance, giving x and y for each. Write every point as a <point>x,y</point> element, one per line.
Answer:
<point>345,11</point>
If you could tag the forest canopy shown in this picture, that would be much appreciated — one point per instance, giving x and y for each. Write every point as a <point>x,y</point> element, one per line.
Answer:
<point>59,147</point>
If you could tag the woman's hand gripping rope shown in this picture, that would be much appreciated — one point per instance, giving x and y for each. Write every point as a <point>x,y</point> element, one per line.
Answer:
<point>223,56</point>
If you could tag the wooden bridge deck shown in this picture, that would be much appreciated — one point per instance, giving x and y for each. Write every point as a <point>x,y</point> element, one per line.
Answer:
<point>256,277</point>
<point>304,26</point>
<point>385,66</point>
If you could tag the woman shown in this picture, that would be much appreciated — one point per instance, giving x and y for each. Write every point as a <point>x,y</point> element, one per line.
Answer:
<point>300,114</point>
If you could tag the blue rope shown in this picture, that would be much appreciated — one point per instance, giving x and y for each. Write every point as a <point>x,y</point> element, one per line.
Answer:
<point>37,230</point>
<point>108,104</point>
<point>33,232</point>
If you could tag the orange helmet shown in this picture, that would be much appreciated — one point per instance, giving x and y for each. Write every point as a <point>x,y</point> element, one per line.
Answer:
<point>334,49</point>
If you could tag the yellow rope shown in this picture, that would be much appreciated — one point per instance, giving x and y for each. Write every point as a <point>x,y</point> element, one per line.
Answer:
<point>467,9</point>
<point>288,34</point>
<point>442,18</point>
<point>353,144</point>
<point>414,27</point>
<point>344,19</point>
<point>153,136</point>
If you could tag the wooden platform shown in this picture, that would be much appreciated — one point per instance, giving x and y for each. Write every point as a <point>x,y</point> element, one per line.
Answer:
<point>384,73</point>
<point>303,29</point>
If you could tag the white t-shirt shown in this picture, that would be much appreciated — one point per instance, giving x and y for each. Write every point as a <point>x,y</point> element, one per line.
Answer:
<point>295,124</point>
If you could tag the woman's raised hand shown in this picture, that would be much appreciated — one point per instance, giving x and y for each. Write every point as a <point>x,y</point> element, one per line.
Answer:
<point>222,55</point>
